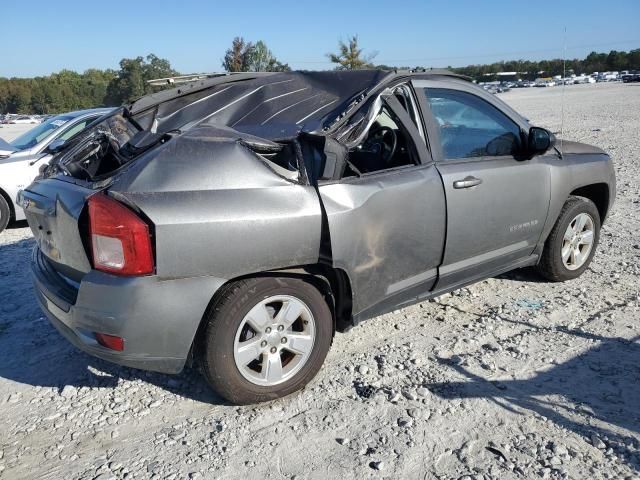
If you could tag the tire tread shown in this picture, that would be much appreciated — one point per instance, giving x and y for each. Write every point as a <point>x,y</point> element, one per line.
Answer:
<point>5,213</point>
<point>220,318</point>
<point>549,267</point>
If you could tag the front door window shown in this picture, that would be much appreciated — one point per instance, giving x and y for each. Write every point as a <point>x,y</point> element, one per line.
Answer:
<point>470,127</point>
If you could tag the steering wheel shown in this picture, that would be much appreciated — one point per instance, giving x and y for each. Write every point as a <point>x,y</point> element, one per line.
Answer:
<point>386,141</point>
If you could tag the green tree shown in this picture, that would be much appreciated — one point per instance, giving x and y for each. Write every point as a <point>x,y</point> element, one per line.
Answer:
<point>128,84</point>
<point>238,58</point>
<point>94,86</point>
<point>263,60</point>
<point>350,56</point>
<point>130,81</point>
<point>616,60</point>
<point>633,60</point>
<point>261,57</point>
<point>156,67</point>
<point>19,99</point>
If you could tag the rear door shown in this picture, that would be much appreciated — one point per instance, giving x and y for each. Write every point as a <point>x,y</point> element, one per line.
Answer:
<point>497,203</point>
<point>387,229</point>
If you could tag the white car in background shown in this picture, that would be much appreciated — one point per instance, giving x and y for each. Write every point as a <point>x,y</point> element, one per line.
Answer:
<point>21,158</point>
<point>23,119</point>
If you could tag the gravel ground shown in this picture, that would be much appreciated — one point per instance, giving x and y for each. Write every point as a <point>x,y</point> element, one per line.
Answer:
<point>509,378</point>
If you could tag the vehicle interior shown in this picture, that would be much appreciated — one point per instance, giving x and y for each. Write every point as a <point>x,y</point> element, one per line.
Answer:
<point>387,144</point>
<point>105,147</point>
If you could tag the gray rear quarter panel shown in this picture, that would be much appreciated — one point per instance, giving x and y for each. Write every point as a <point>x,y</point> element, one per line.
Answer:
<point>220,210</point>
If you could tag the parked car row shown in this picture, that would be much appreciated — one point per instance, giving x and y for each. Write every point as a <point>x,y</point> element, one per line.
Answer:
<point>631,77</point>
<point>20,119</point>
<point>499,88</point>
<point>521,84</point>
<point>505,86</point>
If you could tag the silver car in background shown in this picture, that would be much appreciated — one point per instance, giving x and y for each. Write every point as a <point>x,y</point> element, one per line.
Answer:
<point>240,221</point>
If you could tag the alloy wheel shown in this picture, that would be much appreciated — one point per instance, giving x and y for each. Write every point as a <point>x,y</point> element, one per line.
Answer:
<point>274,340</point>
<point>577,242</point>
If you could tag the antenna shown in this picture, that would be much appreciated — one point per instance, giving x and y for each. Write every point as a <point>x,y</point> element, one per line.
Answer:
<point>564,86</point>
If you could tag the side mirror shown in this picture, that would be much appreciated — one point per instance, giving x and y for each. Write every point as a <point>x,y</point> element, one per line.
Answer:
<point>540,140</point>
<point>55,146</point>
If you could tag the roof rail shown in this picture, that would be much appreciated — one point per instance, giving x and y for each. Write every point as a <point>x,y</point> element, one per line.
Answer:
<point>195,76</point>
<point>435,71</point>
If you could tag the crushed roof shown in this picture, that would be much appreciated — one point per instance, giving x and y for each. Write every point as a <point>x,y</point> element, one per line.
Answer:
<point>271,106</point>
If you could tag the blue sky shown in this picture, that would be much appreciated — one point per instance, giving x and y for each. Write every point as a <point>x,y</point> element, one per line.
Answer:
<point>44,36</point>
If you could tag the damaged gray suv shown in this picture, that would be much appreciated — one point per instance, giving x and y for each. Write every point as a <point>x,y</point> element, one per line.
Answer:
<point>239,221</point>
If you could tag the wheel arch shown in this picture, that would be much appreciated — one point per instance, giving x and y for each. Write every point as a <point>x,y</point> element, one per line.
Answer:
<point>598,193</point>
<point>333,283</point>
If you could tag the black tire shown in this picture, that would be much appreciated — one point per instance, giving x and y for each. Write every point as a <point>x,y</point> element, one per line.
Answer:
<point>225,317</point>
<point>551,266</point>
<point>5,213</point>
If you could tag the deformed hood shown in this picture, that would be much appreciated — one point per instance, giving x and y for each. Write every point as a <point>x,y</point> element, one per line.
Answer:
<point>272,106</point>
<point>577,148</point>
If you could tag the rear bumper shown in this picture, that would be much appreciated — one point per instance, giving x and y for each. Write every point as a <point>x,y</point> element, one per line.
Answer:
<point>157,318</point>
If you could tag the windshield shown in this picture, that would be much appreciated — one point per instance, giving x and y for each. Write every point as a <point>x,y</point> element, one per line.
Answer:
<point>39,133</point>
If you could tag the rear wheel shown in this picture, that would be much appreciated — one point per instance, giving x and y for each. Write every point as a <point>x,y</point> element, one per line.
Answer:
<point>572,243</point>
<point>5,213</point>
<point>266,338</point>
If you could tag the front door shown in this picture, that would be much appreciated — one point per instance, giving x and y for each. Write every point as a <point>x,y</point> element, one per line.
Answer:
<point>386,216</point>
<point>497,202</point>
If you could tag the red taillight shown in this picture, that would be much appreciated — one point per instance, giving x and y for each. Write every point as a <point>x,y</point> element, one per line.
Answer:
<point>120,240</point>
<point>110,341</point>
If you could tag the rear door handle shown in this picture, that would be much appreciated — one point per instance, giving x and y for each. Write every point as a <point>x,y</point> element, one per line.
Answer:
<point>467,182</point>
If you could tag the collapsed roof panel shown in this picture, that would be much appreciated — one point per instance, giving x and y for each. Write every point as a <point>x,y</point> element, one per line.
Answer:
<point>272,106</point>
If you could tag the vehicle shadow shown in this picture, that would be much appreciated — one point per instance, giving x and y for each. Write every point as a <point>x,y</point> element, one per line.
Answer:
<point>588,394</point>
<point>527,274</point>
<point>32,351</point>
<point>17,224</point>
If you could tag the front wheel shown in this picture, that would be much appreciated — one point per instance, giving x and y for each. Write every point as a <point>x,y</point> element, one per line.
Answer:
<point>572,243</point>
<point>265,338</point>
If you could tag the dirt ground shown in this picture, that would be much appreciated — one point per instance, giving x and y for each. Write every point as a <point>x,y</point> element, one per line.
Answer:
<point>510,378</point>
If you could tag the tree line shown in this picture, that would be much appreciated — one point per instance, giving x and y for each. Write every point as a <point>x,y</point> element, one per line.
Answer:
<point>594,62</point>
<point>350,56</point>
<point>68,90</point>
